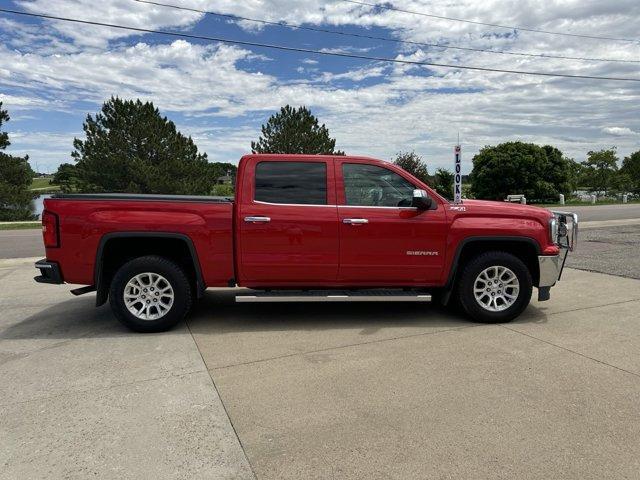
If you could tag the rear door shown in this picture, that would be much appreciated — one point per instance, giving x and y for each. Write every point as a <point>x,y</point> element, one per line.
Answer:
<point>383,240</point>
<point>288,222</point>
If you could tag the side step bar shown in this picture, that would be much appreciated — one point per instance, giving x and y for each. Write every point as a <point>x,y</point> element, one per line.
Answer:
<point>334,296</point>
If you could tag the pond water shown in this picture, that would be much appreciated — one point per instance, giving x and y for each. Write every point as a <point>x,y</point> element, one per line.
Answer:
<point>37,205</point>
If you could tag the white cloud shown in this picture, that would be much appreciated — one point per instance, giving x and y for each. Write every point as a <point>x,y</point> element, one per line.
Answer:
<point>122,12</point>
<point>620,131</point>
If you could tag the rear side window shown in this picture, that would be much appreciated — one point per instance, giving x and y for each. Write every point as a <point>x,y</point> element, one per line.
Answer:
<point>291,182</point>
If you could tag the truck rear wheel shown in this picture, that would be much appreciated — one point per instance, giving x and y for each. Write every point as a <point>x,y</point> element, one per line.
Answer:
<point>150,294</point>
<point>495,287</point>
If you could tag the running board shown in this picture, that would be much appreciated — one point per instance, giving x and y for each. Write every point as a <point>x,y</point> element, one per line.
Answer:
<point>334,296</point>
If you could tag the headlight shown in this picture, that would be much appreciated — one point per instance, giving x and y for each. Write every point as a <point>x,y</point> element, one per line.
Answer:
<point>553,230</point>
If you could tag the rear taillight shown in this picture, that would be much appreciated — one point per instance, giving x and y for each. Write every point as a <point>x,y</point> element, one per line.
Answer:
<point>50,229</point>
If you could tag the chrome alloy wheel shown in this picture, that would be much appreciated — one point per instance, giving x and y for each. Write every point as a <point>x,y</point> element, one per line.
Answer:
<point>148,296</point>
<point>496,288</point>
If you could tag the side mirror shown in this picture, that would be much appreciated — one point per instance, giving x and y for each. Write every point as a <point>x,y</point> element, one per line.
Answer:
<point>421,200</point>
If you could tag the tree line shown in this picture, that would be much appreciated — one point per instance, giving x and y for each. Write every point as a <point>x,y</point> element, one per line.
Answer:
<point>130,147</point>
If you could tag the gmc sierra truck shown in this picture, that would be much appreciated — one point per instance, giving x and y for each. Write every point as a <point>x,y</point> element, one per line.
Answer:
<point>304,228</point>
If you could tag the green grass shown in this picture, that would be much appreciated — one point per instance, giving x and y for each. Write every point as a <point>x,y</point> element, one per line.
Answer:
<point>20,226</point>
<point>42,185</point>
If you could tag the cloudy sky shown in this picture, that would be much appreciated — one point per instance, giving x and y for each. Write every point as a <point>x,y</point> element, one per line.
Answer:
<point>53,73</point>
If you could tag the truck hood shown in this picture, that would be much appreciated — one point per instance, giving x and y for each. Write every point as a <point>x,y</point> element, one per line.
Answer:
<point>502,209</point>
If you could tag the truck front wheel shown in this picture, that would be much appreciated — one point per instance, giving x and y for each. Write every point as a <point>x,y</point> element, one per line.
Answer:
<point>150,294</point>
<point>495,287</point>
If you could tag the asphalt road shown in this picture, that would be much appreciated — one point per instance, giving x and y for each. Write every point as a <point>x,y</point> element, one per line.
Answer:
<point>393,391</point>
<point>604,212</point>
<point>21,243</point>
<point>28,243</point>
<point>612,250</point>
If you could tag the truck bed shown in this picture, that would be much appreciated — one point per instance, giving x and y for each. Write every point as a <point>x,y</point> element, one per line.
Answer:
<point>90,223</point>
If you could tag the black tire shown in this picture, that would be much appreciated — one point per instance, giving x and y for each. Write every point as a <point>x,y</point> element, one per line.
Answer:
<point>474,268</point>
<point>174,276</point>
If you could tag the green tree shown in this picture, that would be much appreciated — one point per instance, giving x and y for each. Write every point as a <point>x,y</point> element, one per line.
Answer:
<point>559,171</point>
<point>220,170</point>
<point>540,173</point>
<point>130,147</point>
<point>222,190</point>
<point>412,162</point>
<point>15,179</point>
<point>600,170</point>
<point>295,130</point>
<point>631,168</point>
<point>443,182</point>
<point>66,177</point>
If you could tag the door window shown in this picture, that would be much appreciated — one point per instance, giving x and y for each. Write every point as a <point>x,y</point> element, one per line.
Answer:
<point>373,186</point>
<point>291,182</point>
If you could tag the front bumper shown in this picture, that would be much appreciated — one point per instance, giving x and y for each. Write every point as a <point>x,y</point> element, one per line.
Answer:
<point>49,272</point>
<point>551,268</point>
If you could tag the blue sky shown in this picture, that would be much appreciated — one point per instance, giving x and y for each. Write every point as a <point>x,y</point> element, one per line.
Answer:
<point>52,74</point>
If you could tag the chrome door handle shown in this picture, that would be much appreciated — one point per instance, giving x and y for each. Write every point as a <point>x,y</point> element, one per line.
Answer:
<point>355,221</point>
<point>257,219</point>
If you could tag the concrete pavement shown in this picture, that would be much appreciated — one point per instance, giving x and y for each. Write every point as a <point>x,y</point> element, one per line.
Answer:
<point>83,397</point>
<point>321,391</point>
<point>400,391</point>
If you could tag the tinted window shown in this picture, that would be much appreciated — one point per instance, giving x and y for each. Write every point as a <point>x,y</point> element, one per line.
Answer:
<point>372,186</point>
<point>292,182</point>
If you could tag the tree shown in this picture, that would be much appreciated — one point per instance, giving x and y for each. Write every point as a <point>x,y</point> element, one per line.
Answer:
<point>559,171</point>
<point>540,173</point>
<point>412,162</point>
<point>220,169</point>
<point>4,136</point>
<point>631,168</point>
<point>15,179</point>
<point>130,147</point>
<point>66,176</point>
<point>600,170</point>
<point>295,130</point>
<point>223,190</point>
<point>443,182</point>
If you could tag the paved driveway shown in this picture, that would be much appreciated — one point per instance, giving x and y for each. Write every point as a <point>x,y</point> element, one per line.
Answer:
<point>390,391</point>
<point>82,397</point>
<point>322,391</point>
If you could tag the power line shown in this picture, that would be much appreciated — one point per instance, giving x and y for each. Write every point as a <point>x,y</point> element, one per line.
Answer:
<point>374,37</point>
<point>313,52</point>
<point>497,25</point>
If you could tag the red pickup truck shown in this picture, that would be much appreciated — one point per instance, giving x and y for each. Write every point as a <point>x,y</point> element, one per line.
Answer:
<point>304,228</point>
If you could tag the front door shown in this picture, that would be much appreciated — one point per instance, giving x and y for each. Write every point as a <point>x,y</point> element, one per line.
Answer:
<point>383,240</point>
<point>288,223</point>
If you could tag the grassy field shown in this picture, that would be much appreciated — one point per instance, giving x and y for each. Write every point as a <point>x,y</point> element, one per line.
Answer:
<point>43,185</point>
<point>20,226</point>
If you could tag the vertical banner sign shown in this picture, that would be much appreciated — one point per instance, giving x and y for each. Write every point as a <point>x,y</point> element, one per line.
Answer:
<point>457,187</point>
